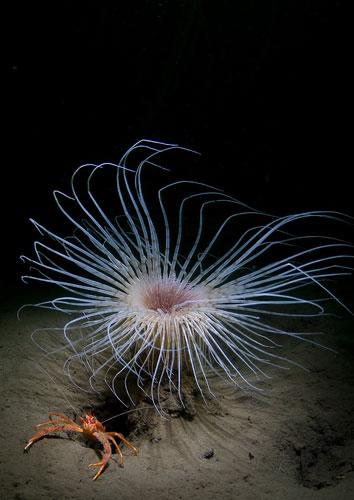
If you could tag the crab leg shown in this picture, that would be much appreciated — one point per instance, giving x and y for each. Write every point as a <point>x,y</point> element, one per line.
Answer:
<point>63,419</point>
<point>54,428</point>
<point>119,451</point>
<point>106,453</point>
<point>122,438</point>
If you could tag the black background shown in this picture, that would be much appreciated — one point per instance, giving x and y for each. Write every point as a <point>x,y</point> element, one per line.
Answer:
<point>261,88</point>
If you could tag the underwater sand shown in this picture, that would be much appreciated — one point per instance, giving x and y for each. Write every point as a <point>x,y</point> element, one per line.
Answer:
<point>295,440</point>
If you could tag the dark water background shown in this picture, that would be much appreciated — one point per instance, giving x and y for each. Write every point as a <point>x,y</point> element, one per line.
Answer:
<point>260,88</point>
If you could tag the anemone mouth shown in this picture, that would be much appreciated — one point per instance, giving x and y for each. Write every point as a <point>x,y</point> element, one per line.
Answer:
<point>165,296</point>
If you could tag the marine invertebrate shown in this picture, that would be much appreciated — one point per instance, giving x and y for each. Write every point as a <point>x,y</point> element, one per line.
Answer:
<point>152,301</point>
<point>91,428</point>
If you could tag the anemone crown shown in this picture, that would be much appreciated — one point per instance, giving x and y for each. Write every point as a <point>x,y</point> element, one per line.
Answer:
<point>152,304</point>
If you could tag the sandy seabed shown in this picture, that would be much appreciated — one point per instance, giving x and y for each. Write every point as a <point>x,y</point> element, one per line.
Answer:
<point>293,440</point>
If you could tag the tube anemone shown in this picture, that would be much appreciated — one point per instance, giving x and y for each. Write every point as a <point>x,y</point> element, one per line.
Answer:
<point>149,297</point>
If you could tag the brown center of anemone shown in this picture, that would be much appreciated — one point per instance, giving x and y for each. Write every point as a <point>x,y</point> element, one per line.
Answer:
<point>167,296</point>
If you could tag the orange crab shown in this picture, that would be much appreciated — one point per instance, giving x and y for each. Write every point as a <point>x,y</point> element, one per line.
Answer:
<point>91,428</point>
